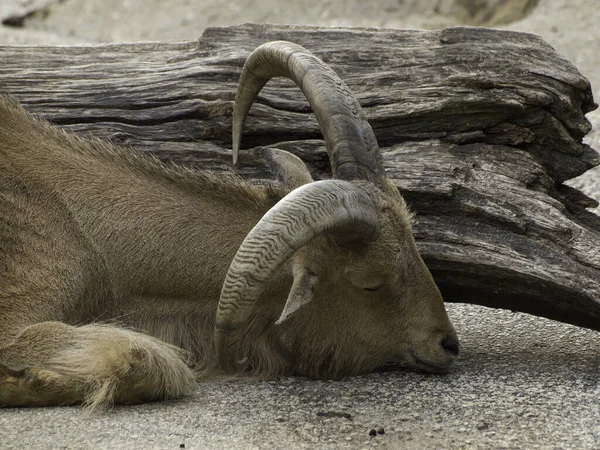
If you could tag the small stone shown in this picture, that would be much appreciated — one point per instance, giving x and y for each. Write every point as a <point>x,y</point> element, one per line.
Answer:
<point>380,430</point>
<point>181,445</point>
<point>373,432</point>
<point>334,414</point>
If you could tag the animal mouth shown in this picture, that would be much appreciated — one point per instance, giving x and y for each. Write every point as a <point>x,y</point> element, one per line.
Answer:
<point>415,360</point>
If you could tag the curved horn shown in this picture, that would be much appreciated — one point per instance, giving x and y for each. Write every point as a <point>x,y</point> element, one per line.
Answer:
<point>351,143</point>
<point>333,206</point>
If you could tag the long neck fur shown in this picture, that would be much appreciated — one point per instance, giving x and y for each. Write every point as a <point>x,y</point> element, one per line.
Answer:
<point>163,229</point>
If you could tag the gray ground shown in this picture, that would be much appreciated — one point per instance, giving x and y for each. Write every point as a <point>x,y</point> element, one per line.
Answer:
<point>520,382</point>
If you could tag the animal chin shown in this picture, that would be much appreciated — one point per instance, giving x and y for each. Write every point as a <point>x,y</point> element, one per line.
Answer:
<point>416,361</point>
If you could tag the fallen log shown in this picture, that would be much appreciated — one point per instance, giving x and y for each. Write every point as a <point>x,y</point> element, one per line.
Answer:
<point>479,128</point>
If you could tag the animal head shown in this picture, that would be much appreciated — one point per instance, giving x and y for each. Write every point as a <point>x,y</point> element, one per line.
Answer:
<point>361,294</point>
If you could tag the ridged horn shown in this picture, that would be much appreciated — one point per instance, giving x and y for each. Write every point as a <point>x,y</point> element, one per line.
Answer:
<point>335,206</point>
<point>351,143</point>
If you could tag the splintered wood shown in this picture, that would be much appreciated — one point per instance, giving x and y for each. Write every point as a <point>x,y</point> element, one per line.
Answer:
<point>478,128</point>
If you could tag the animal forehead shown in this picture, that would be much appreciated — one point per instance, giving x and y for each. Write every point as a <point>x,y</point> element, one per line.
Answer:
<point>377,270</point>
<point>396,214</point>
<point>395,228</point>
<point>378,256</point>
<point>385,254</point>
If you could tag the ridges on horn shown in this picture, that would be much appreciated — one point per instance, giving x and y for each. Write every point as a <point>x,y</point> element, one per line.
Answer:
<point>334,206</point>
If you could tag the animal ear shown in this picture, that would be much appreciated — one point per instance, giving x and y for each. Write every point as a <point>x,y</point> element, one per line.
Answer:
<point>301,293</point>
<point>287,168</point>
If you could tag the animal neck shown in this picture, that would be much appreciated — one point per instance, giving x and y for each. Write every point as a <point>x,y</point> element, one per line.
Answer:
<point>164,232</point>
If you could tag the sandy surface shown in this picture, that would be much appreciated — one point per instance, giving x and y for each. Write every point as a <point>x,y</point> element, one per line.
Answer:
<point>520,382</point>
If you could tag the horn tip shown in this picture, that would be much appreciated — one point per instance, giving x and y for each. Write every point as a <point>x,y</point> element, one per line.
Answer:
<point>235,154</point>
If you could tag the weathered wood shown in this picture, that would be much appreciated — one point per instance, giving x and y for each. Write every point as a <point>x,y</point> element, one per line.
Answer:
<point>479,129</point>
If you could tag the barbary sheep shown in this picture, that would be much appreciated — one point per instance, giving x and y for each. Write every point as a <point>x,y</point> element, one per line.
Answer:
<point>121,277</point>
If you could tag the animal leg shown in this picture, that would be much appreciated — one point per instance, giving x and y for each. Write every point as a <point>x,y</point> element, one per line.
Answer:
<point>51,363</point>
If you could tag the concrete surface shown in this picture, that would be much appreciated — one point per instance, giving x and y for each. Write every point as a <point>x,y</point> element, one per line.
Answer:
<point>521,382</point>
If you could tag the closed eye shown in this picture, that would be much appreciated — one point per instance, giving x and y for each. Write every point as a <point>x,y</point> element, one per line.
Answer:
<point>374,289</point>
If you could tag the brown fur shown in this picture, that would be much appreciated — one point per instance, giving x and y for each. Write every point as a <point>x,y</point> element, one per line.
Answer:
<point>94,233</point>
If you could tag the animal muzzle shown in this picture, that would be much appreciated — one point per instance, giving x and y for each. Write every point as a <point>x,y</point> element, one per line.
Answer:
<point>437,358</point>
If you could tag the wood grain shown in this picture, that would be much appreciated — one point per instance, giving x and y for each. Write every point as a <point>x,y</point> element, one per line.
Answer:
<point>478,127</point>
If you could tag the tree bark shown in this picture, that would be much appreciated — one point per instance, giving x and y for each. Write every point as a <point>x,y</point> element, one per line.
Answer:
<point>479,128</point>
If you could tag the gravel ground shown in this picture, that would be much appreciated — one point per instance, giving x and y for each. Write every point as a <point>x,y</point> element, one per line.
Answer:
<point>521,382</point>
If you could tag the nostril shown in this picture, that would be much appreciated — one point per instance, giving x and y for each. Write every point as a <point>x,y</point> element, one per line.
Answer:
<point>450,344</point>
